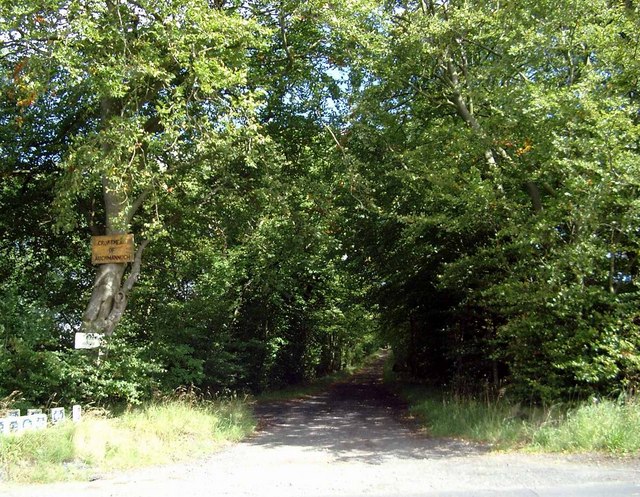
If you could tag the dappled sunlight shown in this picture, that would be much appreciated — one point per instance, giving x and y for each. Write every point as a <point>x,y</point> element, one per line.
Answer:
<point>355,420</point>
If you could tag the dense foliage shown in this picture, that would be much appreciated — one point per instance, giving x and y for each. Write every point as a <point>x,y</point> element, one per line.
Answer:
<point>507,137</point>
<point>308,180</point>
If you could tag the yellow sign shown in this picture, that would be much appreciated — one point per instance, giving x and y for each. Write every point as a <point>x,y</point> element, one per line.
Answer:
<point>114,249</point>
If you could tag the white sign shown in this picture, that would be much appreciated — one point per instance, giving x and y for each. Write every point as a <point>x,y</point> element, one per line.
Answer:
<point>13,423</point>
<point>88,340</point>
<point>17,424</point>
<point>57,415</point>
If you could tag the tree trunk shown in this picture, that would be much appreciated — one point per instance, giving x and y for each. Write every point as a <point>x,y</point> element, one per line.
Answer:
<point>109,296</point>
<point>105,298</point>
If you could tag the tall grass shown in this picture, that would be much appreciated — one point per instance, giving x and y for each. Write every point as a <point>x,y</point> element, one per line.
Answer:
<point>155,434</point>
<point>609,426</point>
<point>606,426</point>
<point>38,456</point>
<point>499,424</point>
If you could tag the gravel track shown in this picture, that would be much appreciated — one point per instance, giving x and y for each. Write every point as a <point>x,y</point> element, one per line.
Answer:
<point>355,440</point>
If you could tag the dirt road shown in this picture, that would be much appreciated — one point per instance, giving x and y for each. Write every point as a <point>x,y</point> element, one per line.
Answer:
<point>351,441</point>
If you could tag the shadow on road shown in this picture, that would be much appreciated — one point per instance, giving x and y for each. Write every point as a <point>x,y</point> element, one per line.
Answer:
<point>355,420</point>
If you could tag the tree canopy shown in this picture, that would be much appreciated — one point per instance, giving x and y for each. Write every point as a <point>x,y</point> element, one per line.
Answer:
<point>307,181</point>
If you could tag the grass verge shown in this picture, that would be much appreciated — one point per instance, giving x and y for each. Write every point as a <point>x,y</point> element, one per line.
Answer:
<point>158,433</point>
<point>498,424</point>
<point>608,426</point>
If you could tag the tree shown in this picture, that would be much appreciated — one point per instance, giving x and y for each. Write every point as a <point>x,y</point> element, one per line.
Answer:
<point>464,170</point>
<point>160,89</point>
<point>495,161</point>
<point>243,285</point>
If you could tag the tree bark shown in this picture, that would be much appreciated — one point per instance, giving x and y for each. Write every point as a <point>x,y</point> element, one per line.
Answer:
<point>109,295</point>
<point>104,298</point>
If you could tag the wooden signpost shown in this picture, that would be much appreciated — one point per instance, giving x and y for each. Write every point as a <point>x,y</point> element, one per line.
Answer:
<point>112,249</point>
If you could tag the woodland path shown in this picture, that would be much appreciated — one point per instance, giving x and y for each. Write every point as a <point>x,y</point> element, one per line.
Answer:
<point>353,440</point>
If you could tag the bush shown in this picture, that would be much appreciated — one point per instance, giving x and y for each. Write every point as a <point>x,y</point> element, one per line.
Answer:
<point>29,360</point>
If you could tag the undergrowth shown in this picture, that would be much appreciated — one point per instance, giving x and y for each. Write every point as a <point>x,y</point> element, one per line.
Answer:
<point>312,388</point>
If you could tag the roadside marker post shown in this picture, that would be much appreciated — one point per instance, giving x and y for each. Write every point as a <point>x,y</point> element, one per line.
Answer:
<point>76,413</point>
<point>12,422</point>
<point>57,415</point>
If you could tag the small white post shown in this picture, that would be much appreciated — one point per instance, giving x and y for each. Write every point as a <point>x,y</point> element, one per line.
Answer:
<point>76,413</point>
<point>57,415</point>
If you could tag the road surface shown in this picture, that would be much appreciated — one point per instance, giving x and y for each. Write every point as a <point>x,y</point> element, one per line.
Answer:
<point>352,441</point>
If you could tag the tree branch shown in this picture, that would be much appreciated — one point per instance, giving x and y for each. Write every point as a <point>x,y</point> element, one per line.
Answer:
<point>120,298</point>
<point>135,269</point>
<point>534,195</point>
<point>137,203</point>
